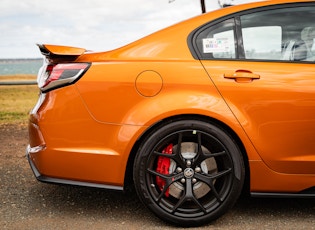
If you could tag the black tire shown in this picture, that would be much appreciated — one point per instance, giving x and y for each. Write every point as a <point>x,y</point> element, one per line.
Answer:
<point>203,172</point>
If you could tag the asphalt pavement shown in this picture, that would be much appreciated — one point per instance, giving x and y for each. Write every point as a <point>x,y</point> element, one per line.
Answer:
<point>26,203</point>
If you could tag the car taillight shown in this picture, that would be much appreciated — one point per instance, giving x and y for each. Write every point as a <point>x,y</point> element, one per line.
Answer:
<point>57,75</point>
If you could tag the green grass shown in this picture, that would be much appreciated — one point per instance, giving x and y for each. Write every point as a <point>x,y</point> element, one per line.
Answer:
<point>16,102</point>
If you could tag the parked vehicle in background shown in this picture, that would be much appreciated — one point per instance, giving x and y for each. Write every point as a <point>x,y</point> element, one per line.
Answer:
<point>191,115</point>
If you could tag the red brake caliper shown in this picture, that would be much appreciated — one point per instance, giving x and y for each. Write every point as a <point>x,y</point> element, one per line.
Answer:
<point>163,167</point>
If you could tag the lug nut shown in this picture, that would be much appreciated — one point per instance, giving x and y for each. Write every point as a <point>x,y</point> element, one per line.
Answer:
<point>194,180</point>
<point>179,170</point>
<point>183,180</point>
<point>188,163</point>
<point>197,170</point>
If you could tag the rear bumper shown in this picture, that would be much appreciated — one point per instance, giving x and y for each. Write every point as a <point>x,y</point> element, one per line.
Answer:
<point>66,145</point>
<point>46,179</point>
<point>35,152</point>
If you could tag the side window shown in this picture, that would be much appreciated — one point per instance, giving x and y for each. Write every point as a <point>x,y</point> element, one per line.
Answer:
<point>218,41</point>
<point>270,34</point>
<point>285,34</point>
<point>262,42</point>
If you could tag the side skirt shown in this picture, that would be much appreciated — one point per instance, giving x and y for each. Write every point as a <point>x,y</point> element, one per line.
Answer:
<point>283,195</point>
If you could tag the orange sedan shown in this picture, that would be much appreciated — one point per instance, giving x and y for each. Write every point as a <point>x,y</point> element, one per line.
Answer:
<point>190,115</point>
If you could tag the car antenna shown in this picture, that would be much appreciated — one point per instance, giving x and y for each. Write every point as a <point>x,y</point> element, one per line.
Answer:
<point>203,6</point>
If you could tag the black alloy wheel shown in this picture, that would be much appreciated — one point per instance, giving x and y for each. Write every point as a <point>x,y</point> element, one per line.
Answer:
<point>189,172</point>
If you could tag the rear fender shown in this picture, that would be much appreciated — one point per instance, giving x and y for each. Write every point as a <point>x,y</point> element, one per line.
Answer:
<point>149,112</point>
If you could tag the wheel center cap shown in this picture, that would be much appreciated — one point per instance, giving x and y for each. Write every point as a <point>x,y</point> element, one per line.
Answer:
<point>188,172</point>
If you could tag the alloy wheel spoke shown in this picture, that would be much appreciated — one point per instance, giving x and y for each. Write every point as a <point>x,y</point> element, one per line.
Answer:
<point>221,174</point>
<point>171,177</point>
<point>201,155</point>
<point>169,180</point>
<point>153,172</point>
<point>209,180</point>
<point>211,177</point>
<point>178,156</point>
<point>188,195</point>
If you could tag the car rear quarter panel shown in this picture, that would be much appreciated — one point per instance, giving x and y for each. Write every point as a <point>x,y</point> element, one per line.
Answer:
<point>110,94</point>
<point>108,90</point>
<point>78,147</point>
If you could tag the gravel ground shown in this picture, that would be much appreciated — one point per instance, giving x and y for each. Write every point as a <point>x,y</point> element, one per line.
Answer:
<point>28,204</point>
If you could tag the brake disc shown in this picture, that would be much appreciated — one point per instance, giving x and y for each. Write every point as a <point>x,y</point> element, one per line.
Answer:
<point>188,152</point>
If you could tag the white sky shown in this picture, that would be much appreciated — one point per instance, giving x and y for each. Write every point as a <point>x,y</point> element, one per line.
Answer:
<point>97,25</point>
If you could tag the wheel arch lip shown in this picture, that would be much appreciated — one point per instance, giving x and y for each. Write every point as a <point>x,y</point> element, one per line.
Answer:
<point>194,104</point>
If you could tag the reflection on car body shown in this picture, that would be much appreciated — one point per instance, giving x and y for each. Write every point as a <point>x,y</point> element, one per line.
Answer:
<point>190,115</point>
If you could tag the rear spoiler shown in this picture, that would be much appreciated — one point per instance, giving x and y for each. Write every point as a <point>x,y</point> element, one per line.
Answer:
<point>56,53</point>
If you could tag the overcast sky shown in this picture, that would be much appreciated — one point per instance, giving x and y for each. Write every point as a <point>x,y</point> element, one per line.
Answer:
<point>97,25</point>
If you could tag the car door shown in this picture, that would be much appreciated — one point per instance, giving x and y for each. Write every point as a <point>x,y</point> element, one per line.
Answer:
<point>264,69</point>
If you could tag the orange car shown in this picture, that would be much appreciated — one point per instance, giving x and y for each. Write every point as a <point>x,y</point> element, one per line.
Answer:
<point>191,115</point>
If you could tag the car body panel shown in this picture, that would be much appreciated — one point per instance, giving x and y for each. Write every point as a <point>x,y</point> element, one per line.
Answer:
<point>75,153</point>
<point>106,154</point>
<point>87,131</point>
<point>263,180</point>
<point>278,109</point>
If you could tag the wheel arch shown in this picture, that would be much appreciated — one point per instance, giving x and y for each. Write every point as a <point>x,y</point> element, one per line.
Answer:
<point>128,182</point>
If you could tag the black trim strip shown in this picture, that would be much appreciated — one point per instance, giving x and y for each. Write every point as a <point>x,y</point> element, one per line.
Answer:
<point>240,54</point>
<point>282,195</point>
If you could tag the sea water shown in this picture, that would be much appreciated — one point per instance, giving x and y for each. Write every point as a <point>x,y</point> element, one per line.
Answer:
<point>20,66</point>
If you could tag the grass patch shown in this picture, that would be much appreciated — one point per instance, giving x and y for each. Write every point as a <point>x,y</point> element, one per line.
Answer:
<point>16,102</point>
<point>18,77</point>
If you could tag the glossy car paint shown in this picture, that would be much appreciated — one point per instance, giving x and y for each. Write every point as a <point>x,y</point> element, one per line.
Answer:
<point>89,131</point>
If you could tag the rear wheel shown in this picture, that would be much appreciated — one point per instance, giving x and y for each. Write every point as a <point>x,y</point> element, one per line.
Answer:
<point>189,172</point>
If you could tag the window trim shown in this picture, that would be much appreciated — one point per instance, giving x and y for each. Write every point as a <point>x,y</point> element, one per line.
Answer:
<point>232,20</point>
<point>239,38</point>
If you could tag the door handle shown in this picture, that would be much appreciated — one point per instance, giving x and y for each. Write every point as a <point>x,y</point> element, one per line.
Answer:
<point>241,75</point>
